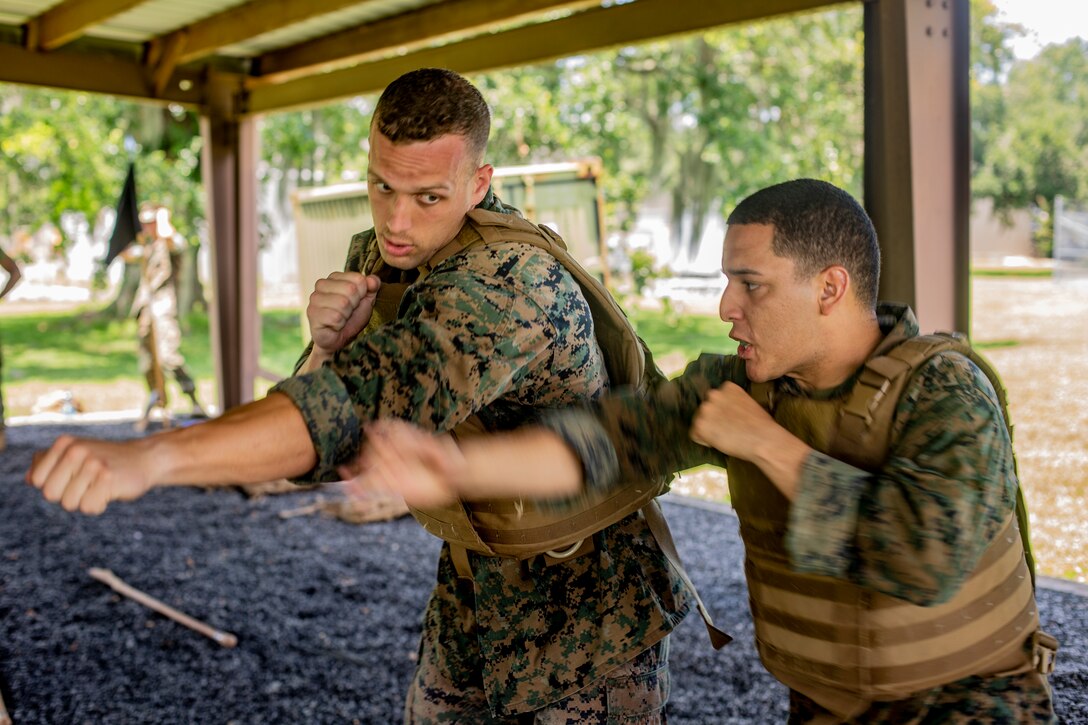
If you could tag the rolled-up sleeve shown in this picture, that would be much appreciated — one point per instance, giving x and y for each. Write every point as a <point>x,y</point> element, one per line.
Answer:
<point>587,439</point>
<point>326,407</point>
<point>630,436</point>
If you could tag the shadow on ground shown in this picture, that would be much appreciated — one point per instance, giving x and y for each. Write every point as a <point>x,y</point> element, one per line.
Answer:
<point>326,613</point>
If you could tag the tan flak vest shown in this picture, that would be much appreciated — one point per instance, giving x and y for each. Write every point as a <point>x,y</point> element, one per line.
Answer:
<point>521,528</point>
<point>845,646</point>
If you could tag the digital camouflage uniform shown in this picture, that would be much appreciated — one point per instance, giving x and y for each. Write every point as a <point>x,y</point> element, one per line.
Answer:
<point>501,331</point>
<point>851,524</point>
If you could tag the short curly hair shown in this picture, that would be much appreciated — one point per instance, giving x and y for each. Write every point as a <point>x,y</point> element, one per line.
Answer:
<point>427,103</point>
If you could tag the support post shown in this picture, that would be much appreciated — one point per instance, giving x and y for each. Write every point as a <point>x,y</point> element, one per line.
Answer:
<point>917,154</point>
<point>230,178</point>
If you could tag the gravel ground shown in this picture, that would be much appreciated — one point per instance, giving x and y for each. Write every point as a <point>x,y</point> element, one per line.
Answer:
<point>326,613</point>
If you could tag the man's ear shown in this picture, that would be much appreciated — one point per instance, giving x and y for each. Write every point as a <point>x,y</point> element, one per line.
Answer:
<point>481,183</point>
<point>834,284</point>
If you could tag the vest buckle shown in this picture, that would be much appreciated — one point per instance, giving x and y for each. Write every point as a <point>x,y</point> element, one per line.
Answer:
<point>1044,652</point>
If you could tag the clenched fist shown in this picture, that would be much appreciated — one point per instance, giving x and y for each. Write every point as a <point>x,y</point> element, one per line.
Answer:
<point>340,307</point>
<point>86,475</point>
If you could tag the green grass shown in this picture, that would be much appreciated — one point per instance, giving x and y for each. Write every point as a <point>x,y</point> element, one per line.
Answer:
<point>667,333</point>
<point>1022,272</point>
<point>995,344</point>
<point>84,347</point>
<point>67,347</point>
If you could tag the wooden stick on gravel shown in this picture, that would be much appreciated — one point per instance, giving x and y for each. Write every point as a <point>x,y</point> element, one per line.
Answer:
<point>108,577</point>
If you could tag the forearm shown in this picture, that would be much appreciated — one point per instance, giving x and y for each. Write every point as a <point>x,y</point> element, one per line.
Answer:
<point>531,462</point>
<point>781,457</point>
<point>260,441</point>
<point>257,442</point>
<point>312,360</point>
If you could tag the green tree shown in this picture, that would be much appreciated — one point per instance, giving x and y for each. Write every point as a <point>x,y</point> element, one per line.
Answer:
<point>67,153</point>
<point>705,119</point>
<point>1040,148</point>
<point>313,147</point>
<point>991,58</point>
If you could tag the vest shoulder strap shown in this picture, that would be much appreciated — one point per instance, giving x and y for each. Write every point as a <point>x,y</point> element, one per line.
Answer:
<point>498,528</point>
<point>867,417</point>
<point>627,359</point>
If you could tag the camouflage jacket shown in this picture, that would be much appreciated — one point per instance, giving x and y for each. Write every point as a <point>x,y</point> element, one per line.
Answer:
<point>913,529</point>
<point>156,293</point>
<point>498,331</point>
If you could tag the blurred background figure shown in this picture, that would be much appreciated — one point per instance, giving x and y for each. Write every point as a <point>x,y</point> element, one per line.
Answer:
<point>14,275</point>
<point>156,310</point>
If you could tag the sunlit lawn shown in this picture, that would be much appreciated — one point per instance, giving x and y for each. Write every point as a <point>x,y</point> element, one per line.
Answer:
<point>83,347</point>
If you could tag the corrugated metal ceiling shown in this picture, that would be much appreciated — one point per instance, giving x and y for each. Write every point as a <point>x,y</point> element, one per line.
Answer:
<point>279,54</point>
<point>155,18</point>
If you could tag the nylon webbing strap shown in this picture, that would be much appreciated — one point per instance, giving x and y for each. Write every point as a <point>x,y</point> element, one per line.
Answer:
<point>459,556</point>
<point>865,425</point>
<point>1044,652</point>
<point>621,339</point>
<point>655,519</point>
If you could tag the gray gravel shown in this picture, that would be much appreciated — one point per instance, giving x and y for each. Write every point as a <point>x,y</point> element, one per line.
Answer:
<point>326,613</point>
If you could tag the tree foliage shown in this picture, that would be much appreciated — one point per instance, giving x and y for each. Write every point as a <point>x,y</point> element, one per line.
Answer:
<point>1040,149</point>
<point>705,119</point>
<point>1030,120</point>
<point>318,146</point>
<point>67,152</point>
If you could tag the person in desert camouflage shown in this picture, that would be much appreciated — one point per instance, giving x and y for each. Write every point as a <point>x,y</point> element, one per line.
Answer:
<point>497,331</point>
<point>156,309</point>
<point>888,580</point>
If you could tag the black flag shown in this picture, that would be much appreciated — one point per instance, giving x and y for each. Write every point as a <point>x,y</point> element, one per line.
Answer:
<point>127,224</point>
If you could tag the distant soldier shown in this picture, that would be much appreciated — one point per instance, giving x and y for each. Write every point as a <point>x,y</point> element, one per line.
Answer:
<point>14,275</point>
<point>156,310</point>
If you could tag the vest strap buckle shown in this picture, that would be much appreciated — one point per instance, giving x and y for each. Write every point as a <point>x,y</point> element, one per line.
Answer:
<point>1044,652</point>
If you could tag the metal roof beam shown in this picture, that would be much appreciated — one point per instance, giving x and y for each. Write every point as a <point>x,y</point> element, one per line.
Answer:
<point>241,23</point>
<point>582,32</point>
<point>405,32</point>
<point>65,22</point>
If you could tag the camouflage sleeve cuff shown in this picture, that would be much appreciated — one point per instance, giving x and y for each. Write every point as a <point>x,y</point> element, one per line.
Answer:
<point>335,429</point>
<point>820,537</point>
<point>585,436</point>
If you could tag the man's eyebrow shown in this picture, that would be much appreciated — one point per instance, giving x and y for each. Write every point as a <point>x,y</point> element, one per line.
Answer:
<point>744,271</point>
<point>421,190</point>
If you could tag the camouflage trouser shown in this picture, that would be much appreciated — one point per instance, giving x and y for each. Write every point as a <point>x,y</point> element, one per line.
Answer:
<point>160,352</point>
<point>1011,700</point>
<point>634,693</point>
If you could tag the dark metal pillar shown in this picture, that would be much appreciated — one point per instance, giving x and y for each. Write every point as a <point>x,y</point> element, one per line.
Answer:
<point>917,153</point>
<point>230,178</point>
